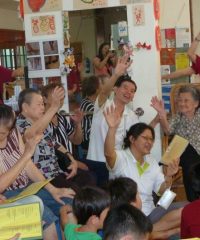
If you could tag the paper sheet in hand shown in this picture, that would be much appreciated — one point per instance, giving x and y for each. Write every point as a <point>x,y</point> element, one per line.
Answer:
<point>30,190</point>
<point>24,219</point>
<point>175,149</point>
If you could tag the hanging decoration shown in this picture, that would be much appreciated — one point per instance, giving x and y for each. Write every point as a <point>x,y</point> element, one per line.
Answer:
<point>21,9</point>
<point>156,7</point>
<point>158,38</point>
<point>140,45</point>
<point>69,61</point>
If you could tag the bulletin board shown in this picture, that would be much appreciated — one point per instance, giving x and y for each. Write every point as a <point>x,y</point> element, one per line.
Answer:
<point>173,56</point>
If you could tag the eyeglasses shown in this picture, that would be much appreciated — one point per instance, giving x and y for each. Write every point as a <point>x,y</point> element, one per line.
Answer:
<point>147,138</point>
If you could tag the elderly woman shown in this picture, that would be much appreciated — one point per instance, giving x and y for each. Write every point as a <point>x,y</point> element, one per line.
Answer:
<point>186,123</point>
<point>135,162</point>
<point>17,169</point>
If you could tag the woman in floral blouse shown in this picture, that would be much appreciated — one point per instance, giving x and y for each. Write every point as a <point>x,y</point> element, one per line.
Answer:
<point>186,123</point>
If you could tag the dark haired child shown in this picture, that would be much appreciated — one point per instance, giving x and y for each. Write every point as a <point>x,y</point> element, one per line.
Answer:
<point>89,209</point>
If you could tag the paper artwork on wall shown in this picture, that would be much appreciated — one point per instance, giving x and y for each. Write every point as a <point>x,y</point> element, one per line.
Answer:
<point>167,56</point>
<point>122,29</point>
<point>182,61</point>
<point>170,38</point>
<point>138,15</point>
<point>34,63</point>
<point>182,37</point>
<point>124,2</point>
<point>43,25</point>
<point>32,48</point>
<point>88,4</point>
<point>31,6</point>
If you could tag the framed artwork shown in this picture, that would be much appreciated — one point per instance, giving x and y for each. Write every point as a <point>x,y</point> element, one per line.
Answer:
<point>32,48</point>
<point>34,63</point>
<point>138,15</point>
<point>43,25</point>
<point>50,47</point>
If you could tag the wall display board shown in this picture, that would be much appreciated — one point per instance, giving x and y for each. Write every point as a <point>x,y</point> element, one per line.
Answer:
<point>173,56</point>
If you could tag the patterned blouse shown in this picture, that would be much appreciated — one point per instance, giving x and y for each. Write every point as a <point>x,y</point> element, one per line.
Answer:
<point>44,157</point>
<point>62,131</point>
<point>9,157</point>
<point>189,129</point>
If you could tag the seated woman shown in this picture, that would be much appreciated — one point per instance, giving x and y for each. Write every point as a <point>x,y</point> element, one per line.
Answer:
<point>135,162</point>
<point>17,170</point>
<point>185,124</point>
<point>66,131</point>
<point>33,119</point>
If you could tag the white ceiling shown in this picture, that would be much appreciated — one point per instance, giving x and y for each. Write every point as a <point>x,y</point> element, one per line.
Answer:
<point>9,4</point>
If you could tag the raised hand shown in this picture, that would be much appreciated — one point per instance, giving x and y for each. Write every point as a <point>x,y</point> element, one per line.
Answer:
<point>58,95</point>
<point>123,63</point>
<point>158,105</point>
<point>112,117</point>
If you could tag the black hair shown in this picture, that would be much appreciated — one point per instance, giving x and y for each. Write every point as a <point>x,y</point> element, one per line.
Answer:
<point>125,78</point>
<point>126,220</point>
<point>90,85</point>
<point>89,201</point>
<point>7,116</point>
<point>135,131</point>
<point>195,179</point>
<point>100,54</point>
<point>194,91</point>
<point>122,190</point>
<point>25,96</point>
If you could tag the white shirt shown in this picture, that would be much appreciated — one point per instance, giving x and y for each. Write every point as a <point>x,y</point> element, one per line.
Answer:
<point>99,130</point>
<point>149,181</point>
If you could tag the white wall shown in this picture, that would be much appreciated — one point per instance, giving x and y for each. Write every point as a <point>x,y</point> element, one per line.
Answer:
<point>10,20</point>
<point>174,13</point>
<point>196,16</point>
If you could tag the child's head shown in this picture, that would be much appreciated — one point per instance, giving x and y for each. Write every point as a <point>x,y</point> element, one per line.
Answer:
<point>124,190</point>
<point>91,202</point>
<point>125,222</point>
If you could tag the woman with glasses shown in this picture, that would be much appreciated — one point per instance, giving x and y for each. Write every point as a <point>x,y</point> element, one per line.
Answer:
<point>134,161</point>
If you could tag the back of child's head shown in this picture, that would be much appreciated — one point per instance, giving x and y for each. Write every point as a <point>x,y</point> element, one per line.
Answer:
<point>126,220</point>
<point>122,190</point>
<point>90,201</point>
<point>195,179</point>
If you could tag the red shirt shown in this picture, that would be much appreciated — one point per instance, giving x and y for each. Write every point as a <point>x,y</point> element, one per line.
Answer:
<point>74,78</point>
<point>190,220</point>
<point>5,76</point>
<point>196,65</point>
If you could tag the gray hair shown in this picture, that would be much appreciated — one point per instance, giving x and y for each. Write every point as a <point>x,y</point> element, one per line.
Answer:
<point>194,91</point>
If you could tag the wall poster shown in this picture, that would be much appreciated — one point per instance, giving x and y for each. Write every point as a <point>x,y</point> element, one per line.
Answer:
<point>87,4</point>
<point>43,25</point>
